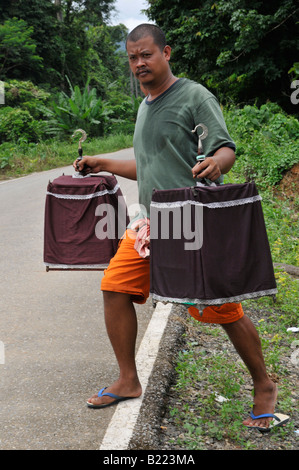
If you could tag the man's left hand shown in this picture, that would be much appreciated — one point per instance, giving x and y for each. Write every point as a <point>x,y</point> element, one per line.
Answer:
<point>208,168</point>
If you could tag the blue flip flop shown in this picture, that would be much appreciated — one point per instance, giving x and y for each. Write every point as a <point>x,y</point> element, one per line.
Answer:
<point>278,420</point>
<point>117,399</point>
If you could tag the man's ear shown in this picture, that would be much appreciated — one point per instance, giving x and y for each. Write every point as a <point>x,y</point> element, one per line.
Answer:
<point>167,52</point>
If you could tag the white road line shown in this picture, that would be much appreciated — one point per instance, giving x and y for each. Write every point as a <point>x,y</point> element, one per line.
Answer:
<point>122,424</point>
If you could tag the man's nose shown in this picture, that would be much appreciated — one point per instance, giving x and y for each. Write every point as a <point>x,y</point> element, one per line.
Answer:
<point>140,62</point>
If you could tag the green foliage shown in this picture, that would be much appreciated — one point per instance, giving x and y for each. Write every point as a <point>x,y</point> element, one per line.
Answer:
<point>267,142</point>
<point>92,12</point>
<point>122,111</point>
<point>84,109</point>
<point>26,95</point>
<point>16,123</point>
<point>22,116</point>
<point>22,157</point>
<point>41,18</point>
<point>79,110</point>
<point>242,50</point>
<point>37,116</point>
<point>17,49</point>
<point>104,65</point>
<point>77,47</point>
<point>59,32</point>
<point>294,71</point>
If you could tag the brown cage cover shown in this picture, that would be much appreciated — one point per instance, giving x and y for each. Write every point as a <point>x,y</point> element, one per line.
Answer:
<point>231,259</point>
<point>84,220</point>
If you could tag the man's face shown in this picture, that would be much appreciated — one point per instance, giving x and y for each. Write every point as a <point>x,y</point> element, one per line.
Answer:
<point>147,62</point>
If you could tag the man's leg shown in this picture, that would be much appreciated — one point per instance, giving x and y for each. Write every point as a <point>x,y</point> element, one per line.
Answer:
<point>121,324</point>
<point>126,280</point>
<point>244,337</point>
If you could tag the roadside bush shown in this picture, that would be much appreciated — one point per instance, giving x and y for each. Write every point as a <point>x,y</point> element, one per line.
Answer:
<point>85,110</point>
<point>79,110</point>
<point>6,155</point>
<point>266,140</point>
<point>16,124</point>
<point>25,95</point>
<point>22,116</point>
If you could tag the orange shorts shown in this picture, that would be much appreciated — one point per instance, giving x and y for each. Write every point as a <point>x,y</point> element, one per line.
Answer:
<point>128,273</point>
<point>226,313</point>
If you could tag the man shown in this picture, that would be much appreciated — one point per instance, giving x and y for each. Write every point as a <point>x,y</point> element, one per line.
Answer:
<point>165,151</point>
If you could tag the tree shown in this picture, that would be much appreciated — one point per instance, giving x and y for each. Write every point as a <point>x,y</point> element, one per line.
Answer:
<point>41,16</point>
<point>105,59</point>
<point>242,50</point>
<point>18,56</point>
<point>93,12</point>
<point>59,33</point>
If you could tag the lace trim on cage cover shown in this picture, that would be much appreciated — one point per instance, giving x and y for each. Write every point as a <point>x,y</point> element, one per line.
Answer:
<point>85,196</point>
<point>76,266</point>
<point>237,298</point>
<point>210,205</point>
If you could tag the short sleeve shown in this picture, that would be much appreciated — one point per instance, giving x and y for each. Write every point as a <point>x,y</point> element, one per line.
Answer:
<point>210,114</point>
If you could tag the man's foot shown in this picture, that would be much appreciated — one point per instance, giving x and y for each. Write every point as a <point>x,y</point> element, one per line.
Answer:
<point>264,402</point>
<point>133,390</point>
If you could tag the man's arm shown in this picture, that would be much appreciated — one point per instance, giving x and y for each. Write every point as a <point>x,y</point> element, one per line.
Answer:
<point>212,167</point>
<point>95,164</point>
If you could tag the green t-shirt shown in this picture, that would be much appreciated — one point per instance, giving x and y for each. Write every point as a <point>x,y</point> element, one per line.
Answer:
<point>165,147</point>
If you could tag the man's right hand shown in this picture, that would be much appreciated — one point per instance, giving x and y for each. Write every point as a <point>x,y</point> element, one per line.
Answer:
<point>88,165</point>
<point>96,163</point>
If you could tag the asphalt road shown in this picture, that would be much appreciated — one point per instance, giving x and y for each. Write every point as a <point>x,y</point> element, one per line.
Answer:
<point>55,351</point>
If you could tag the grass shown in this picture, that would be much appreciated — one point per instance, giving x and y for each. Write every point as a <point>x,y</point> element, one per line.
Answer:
<point>209,376</point>
<point>22,158</point>
<point>207,418</point>
<point>204,376</point>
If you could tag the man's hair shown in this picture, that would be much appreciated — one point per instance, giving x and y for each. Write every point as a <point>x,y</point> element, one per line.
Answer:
<point>147,29</point>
